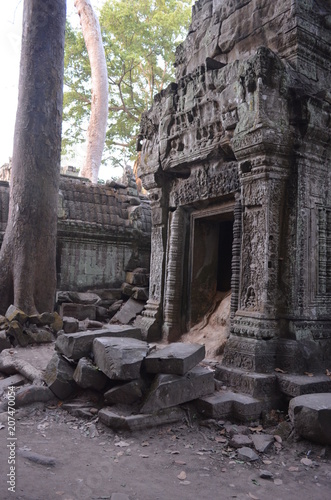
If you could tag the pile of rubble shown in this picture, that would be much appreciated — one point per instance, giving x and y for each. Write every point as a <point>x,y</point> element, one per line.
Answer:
<point>141,384</point>
<point>118,305</point>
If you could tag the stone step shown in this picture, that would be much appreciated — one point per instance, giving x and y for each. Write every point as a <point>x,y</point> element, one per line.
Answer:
<point>257,385</point>
<point>228,404</point>
<point>115,420</point>
<point>297,385</point>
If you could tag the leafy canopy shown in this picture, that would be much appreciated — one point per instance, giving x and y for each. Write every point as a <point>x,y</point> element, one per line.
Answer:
<point>140,38</point>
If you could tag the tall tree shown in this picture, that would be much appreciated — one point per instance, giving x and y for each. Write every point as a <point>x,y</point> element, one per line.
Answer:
<point>27,257</point>
<point>96,133</point>
<point>139,39</point>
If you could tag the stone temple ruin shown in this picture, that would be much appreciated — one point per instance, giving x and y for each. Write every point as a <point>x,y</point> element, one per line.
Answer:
<point>236,158</point>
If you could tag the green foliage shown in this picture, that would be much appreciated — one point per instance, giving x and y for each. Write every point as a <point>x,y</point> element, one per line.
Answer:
<point>140,38</point>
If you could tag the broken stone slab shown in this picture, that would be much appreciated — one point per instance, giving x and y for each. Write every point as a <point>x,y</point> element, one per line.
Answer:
<point>247,454</point>
<point>311,417</point>
<point>78,311</point>
<point>139,293</point>
<point>119,358</point>
<point>88,376</point>
<point>14,380</point>
<point>4,341</point>
<point>138,277</point>
<point>16,334</point>
<point>32,394</point>
<point>128,311</point>
<point>140,421</point>
<point>240,440</point>
<point>177,358</point>
<point>172,390</point>
<point>59,377</point>
<point>70,325</point>
<point>13,313</point>
<point>262,442</point>
<point>79,345</point>
<point>128,393</point>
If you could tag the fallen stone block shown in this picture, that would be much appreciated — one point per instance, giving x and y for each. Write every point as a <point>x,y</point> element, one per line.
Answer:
<point>262,442</point>
<point>138,277</point>
<point>240,440</point>
<point>139,293</point>
<point>14,380</point>
<point>172,390</point>
<point>177,358</point>
<point>127,289</point>
<point>140,421</point>
<point>38,335</point>
<point>89,324</point>
<point>311,417</point>
<point>128,311</point>
<point>59,377</point>
<point>4,341</point>
<point>79,345</point>
<point>70,325</point>
<point>78,311</point>
<point>298,385</point>
<point>227,403</point>
<point>80,410</point>
<point>16,334</point>
<point>247,454</point>
<point>114,308</point>
<point>85,298</point>
<point>88,376</point>
<point>32,394</point>
<point>127,393</point>
<point>13,313</point>
<point>119,358</point>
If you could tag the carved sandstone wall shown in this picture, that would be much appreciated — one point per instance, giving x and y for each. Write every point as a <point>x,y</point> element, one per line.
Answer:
<point>243,137</point>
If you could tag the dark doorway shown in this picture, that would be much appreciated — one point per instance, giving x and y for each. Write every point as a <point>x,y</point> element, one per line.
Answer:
<point>211,262</point>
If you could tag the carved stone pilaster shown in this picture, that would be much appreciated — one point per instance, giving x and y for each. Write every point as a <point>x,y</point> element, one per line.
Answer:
<point>236,252</point>
<point>174,277</point>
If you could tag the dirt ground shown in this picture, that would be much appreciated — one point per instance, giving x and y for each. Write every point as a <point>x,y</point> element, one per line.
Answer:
<point>83,459</point>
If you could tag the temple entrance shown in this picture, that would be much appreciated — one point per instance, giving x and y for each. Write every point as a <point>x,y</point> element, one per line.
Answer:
<point>211,258</point>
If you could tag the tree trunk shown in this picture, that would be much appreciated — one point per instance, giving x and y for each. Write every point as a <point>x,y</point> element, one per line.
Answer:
<point>28,252</point>
<point>96,133</point>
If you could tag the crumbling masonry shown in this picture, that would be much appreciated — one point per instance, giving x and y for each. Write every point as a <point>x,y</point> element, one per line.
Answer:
<point>236,157</point>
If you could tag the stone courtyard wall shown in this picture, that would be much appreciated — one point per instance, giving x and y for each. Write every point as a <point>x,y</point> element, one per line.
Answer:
<point>103,231</point>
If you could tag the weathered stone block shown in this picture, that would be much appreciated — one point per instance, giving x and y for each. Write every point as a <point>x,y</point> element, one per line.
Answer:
<point>297,385</point>
<point>142,421</point>
<point>32,394</point>
<point>226,403</point>
<point>172,390</point>
<point>88,376</point>
<point>16,334</point>
<point>59,377</point>
<point>127,394</point>
<point>14,380</point>
<point>262,442</point>
<point>254,384</point>
<point>128,311</point>
<point>79,345</point>
<point>119,358</point>
<point>4,341</point>
<point>138,277</point>
<point>311,417</point>
<point>139,293</point>
<point>78,311</point>
<point>13,313</point>
<point>239,440</point>
<point>70,325</point>
<point>176,358</point>
<point>38,335</point>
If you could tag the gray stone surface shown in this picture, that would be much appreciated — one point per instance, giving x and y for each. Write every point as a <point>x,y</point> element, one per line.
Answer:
<point>4,341</point>
<point>255,384</point>
<point>32,394</point>
<point>59,377</point>
<point>128,311</point>
<point>78,311</point>
<point>119,358</point>
<point>311,417</point>
<point>227,403</point>
<point>177,358</point>
<point>262,442</point>
<point>247,454</point>
<point>70,325</point>
<point>127,393</point>
<point>141,421</point>
<point>88,376</point>
<point>297,385</point>
<point>14,380</point>
<point>79,345</point>
<point>240,440</point>
<point>172,390</point>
